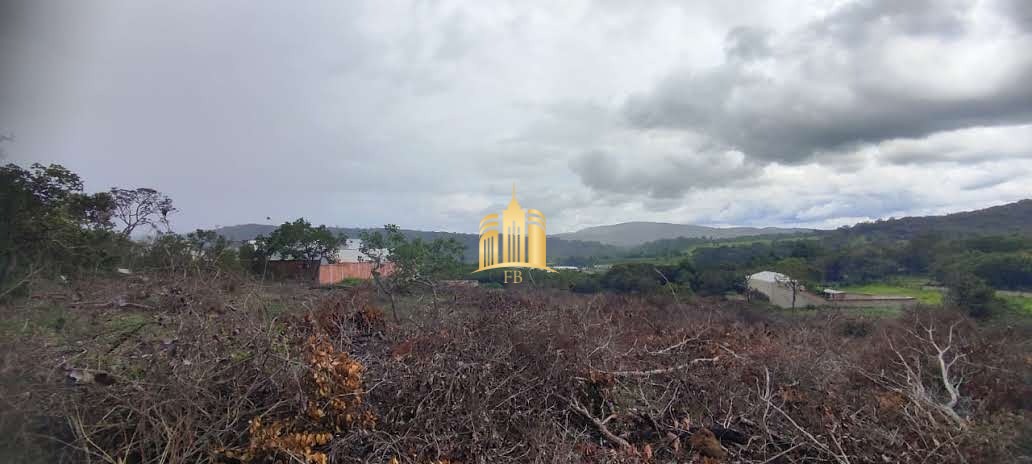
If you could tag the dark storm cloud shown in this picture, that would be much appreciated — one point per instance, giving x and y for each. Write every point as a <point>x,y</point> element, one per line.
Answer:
<point>816,106</point>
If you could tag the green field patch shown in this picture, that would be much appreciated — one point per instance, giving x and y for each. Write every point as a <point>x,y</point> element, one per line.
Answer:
<point>925,297</point>
<point>1020,304</point>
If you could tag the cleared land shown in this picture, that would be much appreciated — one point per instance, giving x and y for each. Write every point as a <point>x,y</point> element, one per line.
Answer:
<point>199,370</point>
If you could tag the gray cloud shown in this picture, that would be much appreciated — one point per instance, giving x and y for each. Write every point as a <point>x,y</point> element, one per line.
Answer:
<point>665,178</point>
<point>858,22</point>
<point>1020,12</point>
<point>748,43</point>
<point>829,100</point>
<point>425,113</point>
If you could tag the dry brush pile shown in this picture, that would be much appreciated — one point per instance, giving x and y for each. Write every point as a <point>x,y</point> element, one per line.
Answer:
<point>229,375</point>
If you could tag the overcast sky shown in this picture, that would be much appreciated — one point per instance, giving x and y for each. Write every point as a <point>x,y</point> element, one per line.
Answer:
<point>424,113</point>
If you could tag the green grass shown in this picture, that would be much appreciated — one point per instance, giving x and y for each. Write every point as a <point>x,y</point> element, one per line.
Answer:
<point>1021,304</point>
<point>900,286</point>
<point>350,282</point>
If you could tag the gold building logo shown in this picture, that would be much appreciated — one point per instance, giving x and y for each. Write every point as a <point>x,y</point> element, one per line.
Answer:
<point>516,238</point>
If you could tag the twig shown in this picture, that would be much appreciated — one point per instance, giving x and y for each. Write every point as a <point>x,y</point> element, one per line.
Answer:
<point>671,287</point>
<point>840,458</point>
<point>21,282</point>
<point>599,424</point>
<point>660,371</point>
<point>673,347</point>
<point>725,348</point>
<point>781,453</point>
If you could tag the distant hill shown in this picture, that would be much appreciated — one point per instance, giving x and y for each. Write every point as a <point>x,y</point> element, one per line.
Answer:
<point>615,240</point>
<point>1011,218</point>
<point>559,250</point>
<point>629,234</point>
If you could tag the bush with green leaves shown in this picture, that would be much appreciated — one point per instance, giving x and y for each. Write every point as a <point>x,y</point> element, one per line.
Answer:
<point>51,225</point>
<point>300,240</point>
<point>412,262</point>
<point>972,295</point>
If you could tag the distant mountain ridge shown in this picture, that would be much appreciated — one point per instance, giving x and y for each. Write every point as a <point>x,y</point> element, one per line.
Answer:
<point>614,240</point>
<point>1010,218</point>
<point>625,234</point>
<point>630,234</point>
<point>558,248</point>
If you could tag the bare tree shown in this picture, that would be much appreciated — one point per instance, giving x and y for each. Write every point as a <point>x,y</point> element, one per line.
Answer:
<point>793,285</point>
<point>141,207</point>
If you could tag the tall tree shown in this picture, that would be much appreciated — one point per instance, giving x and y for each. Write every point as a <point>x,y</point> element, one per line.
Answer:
<point>414,262</point>
<point>299,240</point>
<point>141,207</point>
<point>46,219</point>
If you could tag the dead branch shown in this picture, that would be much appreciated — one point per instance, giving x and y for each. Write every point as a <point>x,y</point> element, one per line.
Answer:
<point>32,272</point>
<point>952,386</point>
<point>661,371</point>
<point>674,346</point>
<point>913,386</point>
<point>776,456</point>
<point>841,458</point>
<point>671,287</point>
<point>599,424</point>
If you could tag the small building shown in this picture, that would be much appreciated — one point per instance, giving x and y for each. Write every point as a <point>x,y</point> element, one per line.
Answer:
<point>322,273</point>
<point>832,294</point>
<point>782,290</point>
<point>597,269</point>
<point>350,264</point>
<point>785,292</point>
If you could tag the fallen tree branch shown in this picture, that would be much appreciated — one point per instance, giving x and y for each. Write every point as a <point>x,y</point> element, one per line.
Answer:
<point>673,347</point>
<point>32,272</point>
<point>599,424</point>
<point>660,371</point>
<point>913,386</point>
<point>841,458</point>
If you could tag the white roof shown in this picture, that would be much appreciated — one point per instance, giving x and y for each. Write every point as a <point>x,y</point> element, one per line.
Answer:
<point>769,276</point>
<point>833,291</point>
<point>349,252</point>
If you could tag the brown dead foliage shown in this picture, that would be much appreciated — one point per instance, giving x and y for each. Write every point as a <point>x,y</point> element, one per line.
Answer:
<point>277,372</point>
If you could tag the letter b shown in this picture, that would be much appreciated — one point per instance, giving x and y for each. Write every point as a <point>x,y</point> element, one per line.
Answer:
<point>514,276</point>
